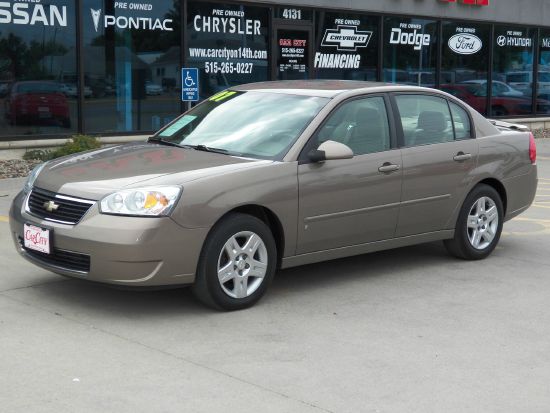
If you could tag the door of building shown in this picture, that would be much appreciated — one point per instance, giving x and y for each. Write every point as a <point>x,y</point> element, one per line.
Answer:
<point>292,55</point>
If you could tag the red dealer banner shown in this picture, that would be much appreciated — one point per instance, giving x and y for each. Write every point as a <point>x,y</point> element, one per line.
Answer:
<point>473,2</point>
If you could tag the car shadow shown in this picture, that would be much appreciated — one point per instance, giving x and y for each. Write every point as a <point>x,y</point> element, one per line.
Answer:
<point>397,262</point>
<point>77,296</point>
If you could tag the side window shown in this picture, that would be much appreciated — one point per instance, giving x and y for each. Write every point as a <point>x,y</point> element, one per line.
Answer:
<point>461,121</point>
<point>361,124</point>
<point>425,119</point>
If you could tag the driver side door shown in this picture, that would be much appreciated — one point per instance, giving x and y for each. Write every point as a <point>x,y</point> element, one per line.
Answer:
<point>351,201</point>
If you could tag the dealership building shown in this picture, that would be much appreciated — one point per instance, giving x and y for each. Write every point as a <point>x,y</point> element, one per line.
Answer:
<point>115,67</point>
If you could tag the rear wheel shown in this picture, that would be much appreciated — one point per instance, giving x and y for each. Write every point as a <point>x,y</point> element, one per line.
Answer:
<point>479,224</point>
<point>237,263</point>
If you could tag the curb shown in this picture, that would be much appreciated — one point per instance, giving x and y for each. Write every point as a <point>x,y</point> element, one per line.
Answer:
<point>50,143</point>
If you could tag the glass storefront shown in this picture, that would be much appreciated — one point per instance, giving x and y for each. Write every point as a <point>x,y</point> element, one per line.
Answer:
<point>38,73</point>
<point>119,70</point>
<point>513,71</point>
<point>228,43</point>
<point>543,75</point>
<point>346,47</point>
<point>465,62</point>
<point>410,55</point>
<point>131,63</point>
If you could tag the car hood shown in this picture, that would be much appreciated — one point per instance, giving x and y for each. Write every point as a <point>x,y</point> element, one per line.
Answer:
<point>96,173</point>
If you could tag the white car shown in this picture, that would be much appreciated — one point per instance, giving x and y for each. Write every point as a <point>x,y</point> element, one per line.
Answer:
<point>153,88</point>
<point>71,91</point>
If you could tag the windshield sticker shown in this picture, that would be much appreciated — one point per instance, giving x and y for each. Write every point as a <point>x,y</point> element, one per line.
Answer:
<point>218,97</point>
<point>177,125</point>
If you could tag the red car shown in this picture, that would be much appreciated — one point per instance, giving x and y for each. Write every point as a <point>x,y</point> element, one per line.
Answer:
<point>34,101</point>
<point>476,96</point>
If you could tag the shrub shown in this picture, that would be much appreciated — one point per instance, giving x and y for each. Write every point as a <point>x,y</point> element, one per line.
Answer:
<point>77,143</point>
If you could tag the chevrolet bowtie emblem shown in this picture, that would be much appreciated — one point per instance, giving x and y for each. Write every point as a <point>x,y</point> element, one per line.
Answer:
<point>50,206</point>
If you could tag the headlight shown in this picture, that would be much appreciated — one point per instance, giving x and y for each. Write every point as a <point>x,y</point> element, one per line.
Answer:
<point>150,201</point>
<point>29,183</point>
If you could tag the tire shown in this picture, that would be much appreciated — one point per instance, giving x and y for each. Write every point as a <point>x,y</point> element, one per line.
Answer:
<point>248,273</point>
<point>487,225</point>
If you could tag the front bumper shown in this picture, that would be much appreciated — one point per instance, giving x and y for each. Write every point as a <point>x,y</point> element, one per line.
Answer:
<point>131,251</point>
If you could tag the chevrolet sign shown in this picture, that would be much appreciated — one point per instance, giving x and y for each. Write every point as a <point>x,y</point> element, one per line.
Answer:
<point>346,38</point>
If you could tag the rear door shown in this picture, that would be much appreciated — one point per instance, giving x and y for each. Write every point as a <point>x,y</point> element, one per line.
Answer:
<point>351,201</point>
<point>439,153</point>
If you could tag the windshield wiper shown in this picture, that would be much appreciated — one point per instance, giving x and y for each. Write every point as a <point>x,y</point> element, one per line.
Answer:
<point>205,148</point>
<point>163,142</point>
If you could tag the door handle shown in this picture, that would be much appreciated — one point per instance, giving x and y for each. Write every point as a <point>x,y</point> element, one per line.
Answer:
<point>388,168</point>
<point>461,157</point>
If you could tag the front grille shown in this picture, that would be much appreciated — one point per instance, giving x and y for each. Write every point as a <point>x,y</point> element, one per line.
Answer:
<point>69,210</point>
<point>66,260</point>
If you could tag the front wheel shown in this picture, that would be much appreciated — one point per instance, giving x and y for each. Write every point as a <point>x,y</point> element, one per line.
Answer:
<point>237,263</point>
<point>479,224</point>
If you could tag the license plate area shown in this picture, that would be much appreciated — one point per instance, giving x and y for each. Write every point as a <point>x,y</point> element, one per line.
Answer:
<point>37,239</point>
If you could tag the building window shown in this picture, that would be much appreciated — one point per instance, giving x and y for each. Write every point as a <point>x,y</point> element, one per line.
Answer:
<point>465,62</point>
<point>228,43</point>
<point>410,51</point>
<point>512,89</point>
<point>543,76</point>
<point>346,46</point>
<point>125,52</point>
<point>38,68</point>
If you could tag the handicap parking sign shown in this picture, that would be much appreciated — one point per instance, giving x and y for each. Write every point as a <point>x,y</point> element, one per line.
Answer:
<point>189,84</point>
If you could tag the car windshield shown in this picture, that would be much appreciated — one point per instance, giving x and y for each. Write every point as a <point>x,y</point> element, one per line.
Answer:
<point>256,124</point>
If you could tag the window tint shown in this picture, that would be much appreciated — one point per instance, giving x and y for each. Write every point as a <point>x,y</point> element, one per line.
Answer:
<point>425,119</point>
<point>461,122</point>
<point>361,124</point>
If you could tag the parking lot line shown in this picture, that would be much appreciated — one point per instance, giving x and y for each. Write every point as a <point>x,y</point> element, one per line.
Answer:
<point>3,218</point>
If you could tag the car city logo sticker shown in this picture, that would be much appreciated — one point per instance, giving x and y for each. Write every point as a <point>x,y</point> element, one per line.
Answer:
<point>96,15</point>
<point>346,38</point>
<point>465,44</point>
<point>501,40</point>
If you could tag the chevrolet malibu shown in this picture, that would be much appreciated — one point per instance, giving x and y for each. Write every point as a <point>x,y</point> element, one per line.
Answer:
<point>274,175</point>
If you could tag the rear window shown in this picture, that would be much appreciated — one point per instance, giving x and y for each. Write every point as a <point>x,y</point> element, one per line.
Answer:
<point>425,119</point>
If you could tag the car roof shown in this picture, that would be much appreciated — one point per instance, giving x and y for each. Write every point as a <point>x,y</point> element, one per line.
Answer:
<point>325,88</point>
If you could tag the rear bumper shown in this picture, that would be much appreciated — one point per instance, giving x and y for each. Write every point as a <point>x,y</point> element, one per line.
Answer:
<point>130,251</point>
<point>521,191</point>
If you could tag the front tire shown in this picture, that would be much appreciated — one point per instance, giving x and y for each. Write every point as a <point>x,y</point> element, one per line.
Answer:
<point>479,225</point>
<point>237,263</point>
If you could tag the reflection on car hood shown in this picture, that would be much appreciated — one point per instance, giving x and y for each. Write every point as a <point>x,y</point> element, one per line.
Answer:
<point>94,174</point>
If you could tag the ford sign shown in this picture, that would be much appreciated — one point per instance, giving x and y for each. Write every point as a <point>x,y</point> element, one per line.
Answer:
<point>465,43</point>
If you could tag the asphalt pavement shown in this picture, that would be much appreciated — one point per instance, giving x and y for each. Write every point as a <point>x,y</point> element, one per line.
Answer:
<point>406,330</point>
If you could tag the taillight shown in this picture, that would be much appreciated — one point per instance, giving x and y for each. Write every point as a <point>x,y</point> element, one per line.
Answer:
<point>532,149</point>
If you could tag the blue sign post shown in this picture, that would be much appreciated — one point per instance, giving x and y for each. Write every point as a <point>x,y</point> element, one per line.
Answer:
<point>189,84</point>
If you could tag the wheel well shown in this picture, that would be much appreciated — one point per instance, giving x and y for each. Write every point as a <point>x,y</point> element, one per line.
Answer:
<point>497,186</point>
<point>271,220</point>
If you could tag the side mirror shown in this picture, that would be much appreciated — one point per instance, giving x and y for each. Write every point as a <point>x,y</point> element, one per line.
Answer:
<point>330,150</point>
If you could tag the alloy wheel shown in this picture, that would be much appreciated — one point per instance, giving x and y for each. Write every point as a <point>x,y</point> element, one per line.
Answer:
<point>242,264</point>
<point>482,223</point>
